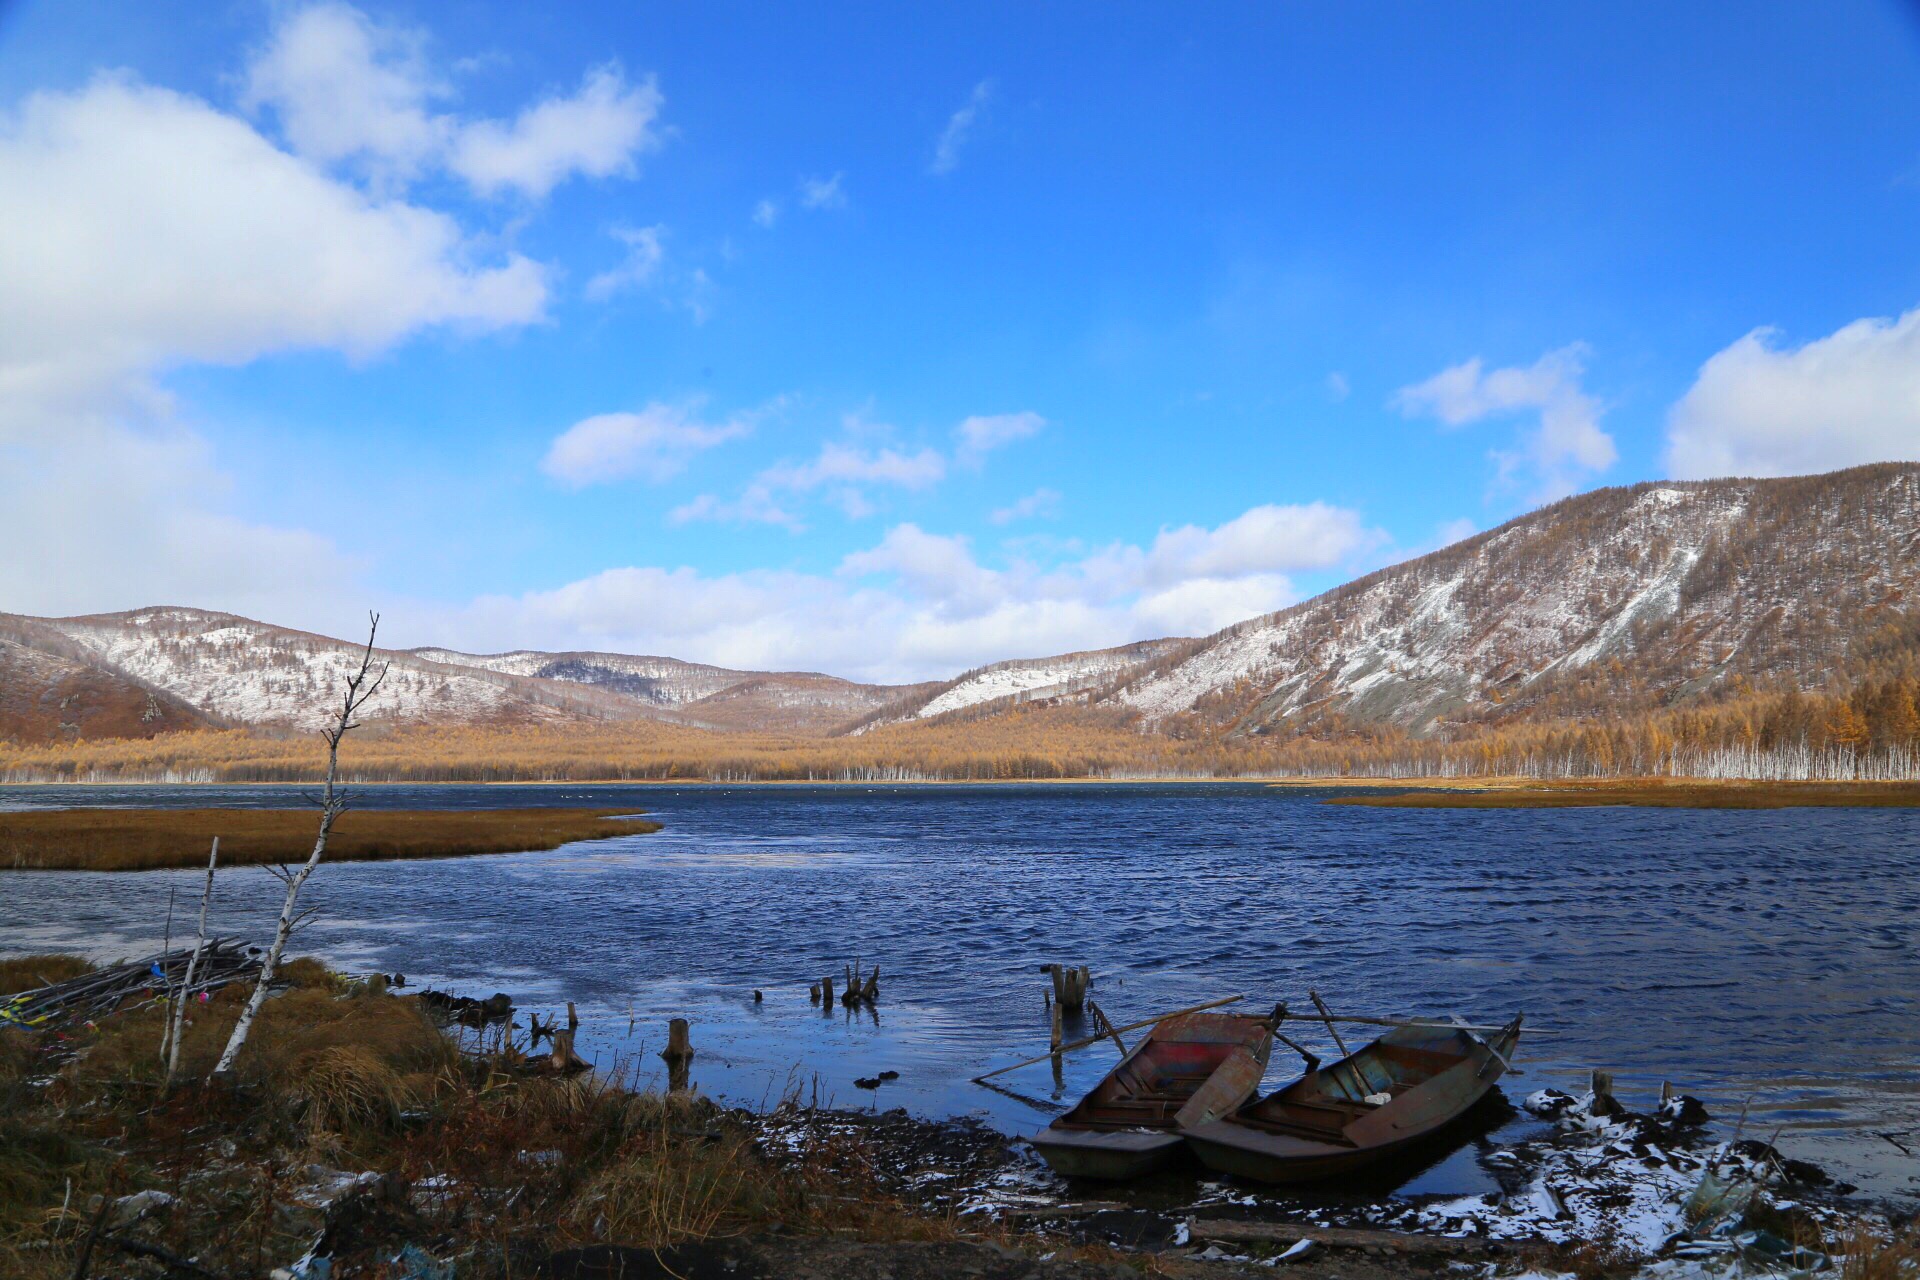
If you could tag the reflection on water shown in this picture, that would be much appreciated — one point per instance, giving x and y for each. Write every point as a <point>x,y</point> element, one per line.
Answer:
<point>1772,952</point>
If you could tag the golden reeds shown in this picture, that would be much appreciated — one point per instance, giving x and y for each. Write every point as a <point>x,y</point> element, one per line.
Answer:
<point>143,839</point>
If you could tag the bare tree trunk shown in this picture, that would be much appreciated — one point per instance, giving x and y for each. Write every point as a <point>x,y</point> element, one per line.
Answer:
<point>193,968</point>
<point>333,802</point>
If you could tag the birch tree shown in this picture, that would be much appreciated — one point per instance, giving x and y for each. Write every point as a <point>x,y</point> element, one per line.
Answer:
<point>361,686</point>
<point>178,1020</point>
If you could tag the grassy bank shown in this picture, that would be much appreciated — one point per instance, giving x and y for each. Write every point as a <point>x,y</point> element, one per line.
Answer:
<point>340,1075</point>
<point>1659,793</point>
<point>145,839</point>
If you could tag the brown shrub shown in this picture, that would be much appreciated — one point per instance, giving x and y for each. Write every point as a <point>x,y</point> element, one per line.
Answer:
<point>306,972</point>
<point>353,1061</point>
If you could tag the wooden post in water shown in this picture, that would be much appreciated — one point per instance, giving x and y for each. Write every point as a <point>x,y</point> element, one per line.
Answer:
<point>1070,985</point>
<point>679,1055</point>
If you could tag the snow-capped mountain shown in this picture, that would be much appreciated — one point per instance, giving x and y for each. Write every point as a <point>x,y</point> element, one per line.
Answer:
<point>150,670</point>
<point>1620,599</point>
<point>1616,601</point>
<point>235,671</point>
<point>715,697</point>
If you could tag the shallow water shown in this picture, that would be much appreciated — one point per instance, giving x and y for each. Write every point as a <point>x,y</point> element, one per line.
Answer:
<point>1772,952</point>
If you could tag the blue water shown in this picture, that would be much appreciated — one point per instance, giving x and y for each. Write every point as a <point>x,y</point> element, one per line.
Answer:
<point>1766,953</point>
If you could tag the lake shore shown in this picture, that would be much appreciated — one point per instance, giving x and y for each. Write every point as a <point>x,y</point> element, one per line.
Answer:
<point>1666,793</point>
<point>154,839</point>
<point>358,1130</point>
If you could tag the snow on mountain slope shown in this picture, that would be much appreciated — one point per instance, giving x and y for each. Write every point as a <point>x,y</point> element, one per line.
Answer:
<point>51,692</point>
<point>1023,679</point>
<point>665,682</point>
<point>1645,592</point>
<point>713,697</point>
<point>243,672</point>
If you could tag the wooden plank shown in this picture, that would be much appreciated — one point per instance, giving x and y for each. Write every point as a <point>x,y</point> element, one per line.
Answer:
<point>1335,1237</point>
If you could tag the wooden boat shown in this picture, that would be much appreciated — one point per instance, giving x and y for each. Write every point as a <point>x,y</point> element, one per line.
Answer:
<point>1405,1086</point>
<point>1188,1070</point>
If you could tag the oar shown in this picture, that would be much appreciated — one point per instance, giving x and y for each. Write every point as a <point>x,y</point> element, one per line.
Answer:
<point>1131,1026</point>
<point>1422,1022</point>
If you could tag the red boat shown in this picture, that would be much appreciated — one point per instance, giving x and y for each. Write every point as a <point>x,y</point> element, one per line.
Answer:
<point>1188,1070</point>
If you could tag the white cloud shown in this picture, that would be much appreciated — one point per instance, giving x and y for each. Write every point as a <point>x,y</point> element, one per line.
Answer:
<point>838,463</point>
<point>597,131</point>
<point>841,470</point>
<point>1566,443</point>
<point>1041,502</point>
<point>1338,388</point>
<point>1205,605</point>
<point>348,90</point>
<point>932,566</point>
<point>946,152</point>
<point>654,443</point>
<point>981,434</point>
<point>756,505</point>
<point>766,213</point>
<point>1757,409</point>
<point>1264,539</point>
<point>823,193</point>
<point>141,229</point>
<point>920,605</point>
<point>645,252</point>
<point>118,518</point>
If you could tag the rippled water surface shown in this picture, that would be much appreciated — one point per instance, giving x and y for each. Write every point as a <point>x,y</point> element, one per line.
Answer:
<point>1773,953</point>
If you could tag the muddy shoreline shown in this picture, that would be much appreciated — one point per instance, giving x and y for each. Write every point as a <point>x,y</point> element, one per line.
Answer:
<point>1616,1186</point>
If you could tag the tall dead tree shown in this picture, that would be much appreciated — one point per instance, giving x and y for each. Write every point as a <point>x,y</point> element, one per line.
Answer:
<point>178,1014</point>
<point>361,686</point>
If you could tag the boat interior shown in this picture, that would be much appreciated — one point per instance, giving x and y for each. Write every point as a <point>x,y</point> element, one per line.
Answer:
<point>1148,1089</point>
<point>1323,1103</point>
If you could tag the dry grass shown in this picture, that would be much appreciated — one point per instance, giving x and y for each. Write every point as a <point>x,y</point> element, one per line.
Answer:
<point>22,973</point>
<point>339,1073</point>
<point>1869,1256</point>
<point>143,839</point>
<point>1646,793</point>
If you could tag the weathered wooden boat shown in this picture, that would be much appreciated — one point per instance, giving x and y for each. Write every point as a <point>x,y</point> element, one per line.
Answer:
<point>1405,1086</point>
<point>1189,1069</point>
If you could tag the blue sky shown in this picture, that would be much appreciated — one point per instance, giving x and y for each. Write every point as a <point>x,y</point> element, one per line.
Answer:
<point>889,341</point>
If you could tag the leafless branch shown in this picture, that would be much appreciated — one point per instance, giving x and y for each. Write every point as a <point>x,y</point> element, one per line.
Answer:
<point>361,686</point>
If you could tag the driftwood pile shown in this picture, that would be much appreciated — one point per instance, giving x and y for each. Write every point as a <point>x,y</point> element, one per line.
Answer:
<point>163,976</point>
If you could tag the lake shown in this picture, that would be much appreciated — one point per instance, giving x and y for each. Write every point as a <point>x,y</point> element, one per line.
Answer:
<point>1765,953</point>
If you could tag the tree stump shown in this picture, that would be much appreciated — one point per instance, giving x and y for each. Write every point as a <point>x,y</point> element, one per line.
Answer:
<point>679,1055</point>
<point>1604,1103</point>
<point>564,1060</point>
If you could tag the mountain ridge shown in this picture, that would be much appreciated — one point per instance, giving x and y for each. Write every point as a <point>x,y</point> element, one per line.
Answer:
<point>1627,597</point>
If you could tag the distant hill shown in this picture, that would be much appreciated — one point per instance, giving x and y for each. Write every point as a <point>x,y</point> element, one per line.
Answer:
<point>801,702</point>
<point>1615,604</point>
<point>153,670</point>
